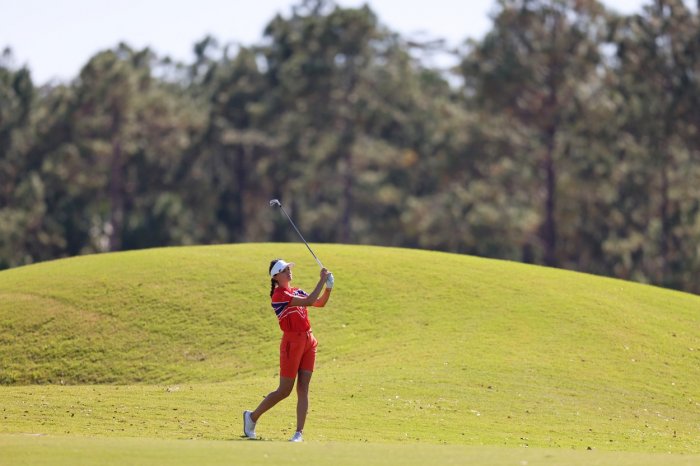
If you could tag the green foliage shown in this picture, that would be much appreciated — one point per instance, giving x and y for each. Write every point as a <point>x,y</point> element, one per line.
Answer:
<point>661,115</point>
<point>20,188</point>
<point>566,136</point>
<point>533,66</point>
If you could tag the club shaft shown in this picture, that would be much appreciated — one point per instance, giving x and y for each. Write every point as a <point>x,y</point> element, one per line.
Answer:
<point>300,235</point>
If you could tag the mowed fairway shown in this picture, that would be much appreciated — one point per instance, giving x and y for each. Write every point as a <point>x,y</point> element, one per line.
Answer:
<point>422,355</point>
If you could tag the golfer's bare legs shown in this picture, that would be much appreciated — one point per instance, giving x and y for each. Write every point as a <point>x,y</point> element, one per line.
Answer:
<point>282,392</point>
<point>303,398</point>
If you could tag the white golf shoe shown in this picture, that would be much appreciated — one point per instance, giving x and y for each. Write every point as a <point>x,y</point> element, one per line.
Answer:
<point>248,425</point>
<point>297,437</point>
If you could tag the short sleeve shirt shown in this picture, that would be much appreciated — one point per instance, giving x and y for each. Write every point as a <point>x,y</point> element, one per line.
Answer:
<point>291,318</point>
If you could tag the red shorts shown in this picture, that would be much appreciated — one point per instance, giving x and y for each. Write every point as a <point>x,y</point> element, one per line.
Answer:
<point>297,353</point>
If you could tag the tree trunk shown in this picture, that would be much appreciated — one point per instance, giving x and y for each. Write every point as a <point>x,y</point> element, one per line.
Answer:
<point>665,226</point>
<point>345,221</point>
<point>549,230</point>
<point>116,188</point>
<point>238,195</point>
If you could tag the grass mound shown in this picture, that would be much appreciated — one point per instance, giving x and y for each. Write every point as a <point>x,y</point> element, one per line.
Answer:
<point>444,348</point>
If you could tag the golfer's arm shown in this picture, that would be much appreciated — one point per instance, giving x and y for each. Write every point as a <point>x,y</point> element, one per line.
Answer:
<point>320,302</point>
<point>310,300</point>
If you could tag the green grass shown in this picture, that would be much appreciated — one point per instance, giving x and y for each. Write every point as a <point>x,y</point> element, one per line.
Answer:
<point>106,451</point>
<point>440,349</point>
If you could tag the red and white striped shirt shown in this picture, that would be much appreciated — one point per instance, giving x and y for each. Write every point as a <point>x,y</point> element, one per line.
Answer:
<point>291,318</point>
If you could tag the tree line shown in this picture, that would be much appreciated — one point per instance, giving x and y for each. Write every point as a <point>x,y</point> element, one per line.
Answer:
<point>568,135</point>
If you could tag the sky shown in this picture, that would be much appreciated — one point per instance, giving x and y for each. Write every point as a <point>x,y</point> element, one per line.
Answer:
<point>55,38</point>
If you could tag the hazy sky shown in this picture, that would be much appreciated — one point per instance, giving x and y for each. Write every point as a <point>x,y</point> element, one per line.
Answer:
<point>55,38</point>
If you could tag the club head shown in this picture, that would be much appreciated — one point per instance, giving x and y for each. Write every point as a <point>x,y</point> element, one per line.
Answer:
<point>275,202</point>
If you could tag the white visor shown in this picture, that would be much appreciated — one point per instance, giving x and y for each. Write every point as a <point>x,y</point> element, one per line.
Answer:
<point>279,266</point>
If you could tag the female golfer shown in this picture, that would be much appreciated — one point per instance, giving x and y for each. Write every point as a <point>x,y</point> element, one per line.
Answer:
<point>298,347</point>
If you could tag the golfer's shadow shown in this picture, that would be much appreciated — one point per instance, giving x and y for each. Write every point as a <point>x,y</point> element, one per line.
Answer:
<point>243,438</point>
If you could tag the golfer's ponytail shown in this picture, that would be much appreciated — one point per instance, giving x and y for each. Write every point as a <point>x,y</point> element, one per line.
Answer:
<point>273,282</point>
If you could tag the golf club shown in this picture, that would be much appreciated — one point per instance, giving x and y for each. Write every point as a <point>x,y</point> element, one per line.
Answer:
<point>276,202</point>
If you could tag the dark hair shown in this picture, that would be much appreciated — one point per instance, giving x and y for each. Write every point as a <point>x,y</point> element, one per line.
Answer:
<point>273,282</point>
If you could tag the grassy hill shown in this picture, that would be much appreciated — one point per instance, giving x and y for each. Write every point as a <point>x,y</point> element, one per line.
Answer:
<point>436,347</point>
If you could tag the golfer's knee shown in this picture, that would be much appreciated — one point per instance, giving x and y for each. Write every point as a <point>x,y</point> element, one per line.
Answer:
<point>284,392</point>
<point>302,389</point>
